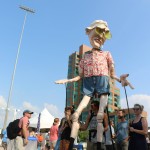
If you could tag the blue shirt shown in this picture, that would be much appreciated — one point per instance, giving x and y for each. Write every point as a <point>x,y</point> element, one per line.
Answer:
<point>122,131</point>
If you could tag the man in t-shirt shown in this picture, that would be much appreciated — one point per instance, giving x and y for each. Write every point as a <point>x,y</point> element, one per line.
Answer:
<point>22,139</point>
<point>122,131</point>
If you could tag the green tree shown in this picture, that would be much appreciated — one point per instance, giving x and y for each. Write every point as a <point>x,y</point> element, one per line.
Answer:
<point>83,135</point>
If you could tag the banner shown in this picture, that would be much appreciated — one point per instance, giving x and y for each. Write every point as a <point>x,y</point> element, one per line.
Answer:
<point>38,124</point>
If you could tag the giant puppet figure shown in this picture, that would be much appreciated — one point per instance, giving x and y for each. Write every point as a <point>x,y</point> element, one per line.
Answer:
<point>95,69</point>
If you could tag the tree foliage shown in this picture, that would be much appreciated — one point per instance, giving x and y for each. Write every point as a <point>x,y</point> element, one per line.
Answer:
<point>83,135</point>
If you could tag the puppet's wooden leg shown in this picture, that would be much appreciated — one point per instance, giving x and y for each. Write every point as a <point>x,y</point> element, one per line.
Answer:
<point>75,125</point>
<point>100,116</point>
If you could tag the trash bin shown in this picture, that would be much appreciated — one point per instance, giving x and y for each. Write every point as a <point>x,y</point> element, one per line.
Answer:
<point>78,147</point>
<point>32,143</point>
<point>32,138</point>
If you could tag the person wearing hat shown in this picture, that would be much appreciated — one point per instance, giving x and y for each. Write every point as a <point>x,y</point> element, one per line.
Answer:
<point>22,139</point>
<point>95,68</point>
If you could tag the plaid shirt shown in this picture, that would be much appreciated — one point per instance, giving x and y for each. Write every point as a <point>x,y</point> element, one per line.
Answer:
<point>95,63</point>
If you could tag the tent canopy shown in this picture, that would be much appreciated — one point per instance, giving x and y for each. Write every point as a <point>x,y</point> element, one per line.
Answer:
<point>46,120</point>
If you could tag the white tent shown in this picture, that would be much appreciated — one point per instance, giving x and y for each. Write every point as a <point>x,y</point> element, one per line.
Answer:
<point>46,120</point>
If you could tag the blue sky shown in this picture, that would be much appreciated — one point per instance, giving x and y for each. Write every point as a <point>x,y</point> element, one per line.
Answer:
<point>55,31</point>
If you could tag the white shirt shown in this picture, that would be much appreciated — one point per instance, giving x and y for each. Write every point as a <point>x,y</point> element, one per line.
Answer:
<point>108,140</point>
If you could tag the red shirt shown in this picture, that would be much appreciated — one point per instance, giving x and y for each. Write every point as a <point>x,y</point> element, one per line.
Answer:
<point>54,133</point>
<point>24,121</point>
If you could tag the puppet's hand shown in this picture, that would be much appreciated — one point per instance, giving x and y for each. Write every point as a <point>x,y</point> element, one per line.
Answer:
<point>62,81</point>
<point>124,81</point>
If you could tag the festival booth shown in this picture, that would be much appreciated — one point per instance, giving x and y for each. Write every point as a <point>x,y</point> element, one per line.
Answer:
<point>42,122</point>
<point>46,120</point>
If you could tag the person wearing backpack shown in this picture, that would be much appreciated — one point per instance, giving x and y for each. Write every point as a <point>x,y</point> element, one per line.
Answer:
<point>21,139</point>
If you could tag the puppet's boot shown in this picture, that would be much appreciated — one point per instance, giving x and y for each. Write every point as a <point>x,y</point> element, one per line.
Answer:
<point>74,134</point>
<point>71,143</point>
<point>98,145</point>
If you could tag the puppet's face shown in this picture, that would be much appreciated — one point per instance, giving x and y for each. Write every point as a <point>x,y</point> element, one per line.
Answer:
<point>96,39</point>
<point>98,32</point>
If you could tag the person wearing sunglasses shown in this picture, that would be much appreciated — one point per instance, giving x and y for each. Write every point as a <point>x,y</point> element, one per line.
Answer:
<point>138,130</point>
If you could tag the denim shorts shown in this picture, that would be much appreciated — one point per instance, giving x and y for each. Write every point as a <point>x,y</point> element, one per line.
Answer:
<point>96,84</point>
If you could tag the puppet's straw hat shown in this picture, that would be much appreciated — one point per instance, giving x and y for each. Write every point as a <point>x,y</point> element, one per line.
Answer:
<point>101,25</point>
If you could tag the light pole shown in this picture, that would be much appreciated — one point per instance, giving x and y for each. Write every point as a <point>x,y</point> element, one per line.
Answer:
<point>16,61</point>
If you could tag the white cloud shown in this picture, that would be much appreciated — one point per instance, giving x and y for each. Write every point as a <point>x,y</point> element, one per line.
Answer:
<point>28,105</point>
<point>53,109</point>
<point>140,99</point>
<point>2,101</point>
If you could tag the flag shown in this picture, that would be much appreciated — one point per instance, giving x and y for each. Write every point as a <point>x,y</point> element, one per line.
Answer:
<point>38,124</point>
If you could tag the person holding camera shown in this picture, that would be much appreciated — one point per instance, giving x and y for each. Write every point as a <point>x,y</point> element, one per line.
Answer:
<point>91,124</point>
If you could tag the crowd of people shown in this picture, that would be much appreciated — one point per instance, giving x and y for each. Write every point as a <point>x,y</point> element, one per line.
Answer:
<point>125,135</point>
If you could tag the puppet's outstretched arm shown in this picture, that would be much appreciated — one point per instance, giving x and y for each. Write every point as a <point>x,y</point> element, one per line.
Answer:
<point>63,81</point>
<point>112,73</point>
<point>124,82</point>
